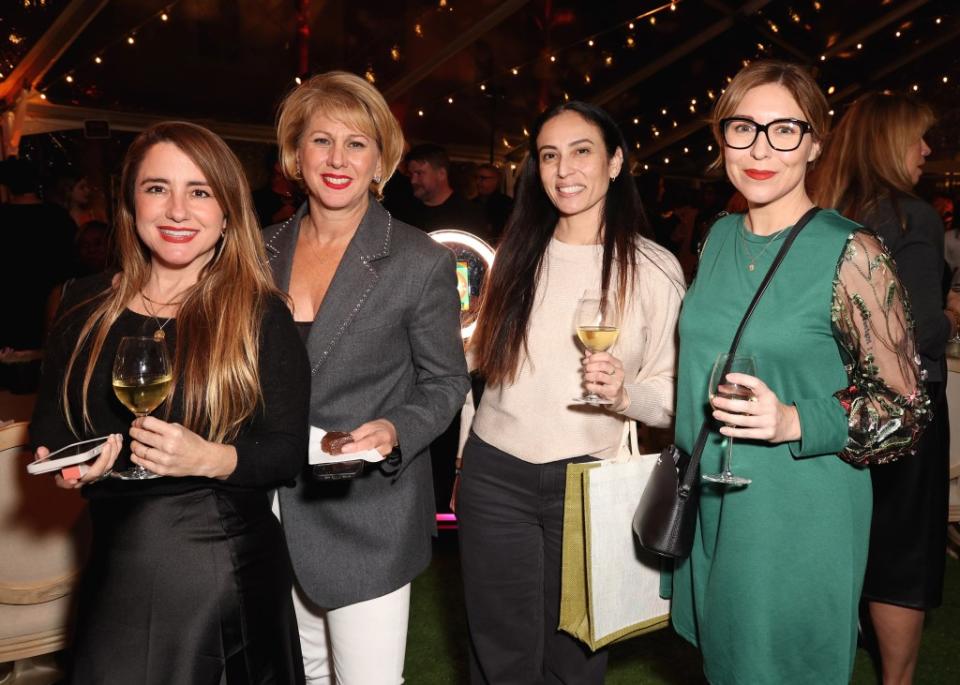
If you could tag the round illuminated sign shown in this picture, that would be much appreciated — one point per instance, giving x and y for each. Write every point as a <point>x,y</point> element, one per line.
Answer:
<point>474,259</point>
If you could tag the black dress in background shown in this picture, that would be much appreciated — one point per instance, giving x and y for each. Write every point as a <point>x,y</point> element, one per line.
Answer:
<point>908,532</point>
<point>189,579</point>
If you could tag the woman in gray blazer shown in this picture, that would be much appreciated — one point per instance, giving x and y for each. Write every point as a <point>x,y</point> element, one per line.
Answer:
<point>377,305</point>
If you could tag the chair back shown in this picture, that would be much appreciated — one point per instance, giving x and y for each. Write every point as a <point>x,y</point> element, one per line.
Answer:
<point>44,530</point>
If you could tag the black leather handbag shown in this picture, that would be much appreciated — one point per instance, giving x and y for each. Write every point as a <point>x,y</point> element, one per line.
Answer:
<point>666,517</point>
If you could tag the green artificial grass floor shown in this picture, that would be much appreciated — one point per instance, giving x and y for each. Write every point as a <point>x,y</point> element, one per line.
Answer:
<point>437,637</point>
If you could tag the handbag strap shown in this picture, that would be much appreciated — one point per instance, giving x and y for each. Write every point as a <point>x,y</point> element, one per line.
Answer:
<point>692,471</point>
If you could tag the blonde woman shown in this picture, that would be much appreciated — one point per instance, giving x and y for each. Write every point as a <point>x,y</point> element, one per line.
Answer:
<point>189,578</point>
<point>376,303</point>
<point>870,165</point>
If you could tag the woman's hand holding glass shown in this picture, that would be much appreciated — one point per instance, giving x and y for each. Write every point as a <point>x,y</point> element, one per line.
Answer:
<point>169,449</point>
<point>603,376</point>
<point>763,417</point>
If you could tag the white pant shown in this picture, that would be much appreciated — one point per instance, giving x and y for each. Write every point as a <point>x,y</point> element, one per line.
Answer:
<point>366,641</point>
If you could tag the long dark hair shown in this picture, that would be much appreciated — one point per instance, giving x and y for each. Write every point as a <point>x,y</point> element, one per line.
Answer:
<point>501,333</point>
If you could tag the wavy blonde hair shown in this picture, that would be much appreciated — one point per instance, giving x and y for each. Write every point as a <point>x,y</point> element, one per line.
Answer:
<point>864,159</point>
<point>218,323</point>
<point>347,98</point>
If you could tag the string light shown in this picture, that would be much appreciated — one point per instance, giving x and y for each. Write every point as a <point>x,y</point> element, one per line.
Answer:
<point>553,58</point>
<point>666,160</point>
<point>69,78</point>
<point>897,34</point>
<point>515,71</point>
<point>663,111</point>
<point>710,148</point>
<point>630,26</point>
<point>130,40</point>
<point>646,167</point>
<point>938,20</point>
<point>98,60</point>
<point>608,60</point>
<point>298,80</point>
<point>686,150</point>
<point>653,21</point>
<point>164,16</point>
<point>369,75</point>
<point>586,79</point>
<point>418,29</point>
<point>636,120</point>
<point>946,78</point>
<point>419,112</point>
<point>395,53</point>
<point>859,46</point>
<point>830,112</point>
<point>590,42</point>
<point>450,100</point>
<point>526,132</point>
<point>483,86</point>
<point>915,87</point>
<point>831,90</point>
<point>630,41</point>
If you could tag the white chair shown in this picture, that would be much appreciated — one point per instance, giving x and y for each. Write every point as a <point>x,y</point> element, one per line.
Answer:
<point>44,536</point>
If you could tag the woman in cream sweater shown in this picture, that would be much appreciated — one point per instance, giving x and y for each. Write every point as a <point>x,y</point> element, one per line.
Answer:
<point>577,225</point>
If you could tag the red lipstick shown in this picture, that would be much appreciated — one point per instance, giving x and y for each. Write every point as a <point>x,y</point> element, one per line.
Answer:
<point>174,234</point>
<point>329,180</point>
<point>759,175</point>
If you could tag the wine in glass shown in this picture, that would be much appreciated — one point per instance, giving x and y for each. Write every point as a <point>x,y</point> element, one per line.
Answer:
<point>597,322</point>
<point>721,387</point>
<point>141,381</point>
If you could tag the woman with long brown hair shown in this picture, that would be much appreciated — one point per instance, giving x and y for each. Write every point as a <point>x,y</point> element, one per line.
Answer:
<point>870,165</point>
<point>577,225</point>
<point>189,578</point>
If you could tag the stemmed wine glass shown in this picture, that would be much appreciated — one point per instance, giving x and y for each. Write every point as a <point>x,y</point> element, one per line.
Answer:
<point>141,381</point>
<point>721,387</point>
<point>597,322</point>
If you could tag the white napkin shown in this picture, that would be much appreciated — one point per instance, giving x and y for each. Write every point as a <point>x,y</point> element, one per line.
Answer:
<point>316,455</point>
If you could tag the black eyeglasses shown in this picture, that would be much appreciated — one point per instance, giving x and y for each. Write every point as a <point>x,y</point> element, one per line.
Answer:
<point>784,135</point>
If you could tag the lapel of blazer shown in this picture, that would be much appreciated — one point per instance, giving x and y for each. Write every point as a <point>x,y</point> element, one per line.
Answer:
<point>352,283</point>
<point>280,242</point>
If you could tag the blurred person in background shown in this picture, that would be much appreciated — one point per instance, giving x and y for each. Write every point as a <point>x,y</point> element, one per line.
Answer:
<point>870,165</point>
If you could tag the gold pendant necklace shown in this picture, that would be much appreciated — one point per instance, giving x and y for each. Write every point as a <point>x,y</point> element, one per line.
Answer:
<point>752,264</point>
<point>158,334</point>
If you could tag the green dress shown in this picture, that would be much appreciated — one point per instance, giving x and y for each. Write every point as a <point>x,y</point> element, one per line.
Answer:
<point>771,589</point>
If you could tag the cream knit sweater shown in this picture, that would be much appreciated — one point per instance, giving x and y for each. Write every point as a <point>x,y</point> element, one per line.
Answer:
<point>534,418</point>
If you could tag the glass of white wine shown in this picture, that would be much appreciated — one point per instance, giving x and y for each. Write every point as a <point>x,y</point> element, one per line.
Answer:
<point>141,381</point>
<point>597,323</point>
<point>721,387</point>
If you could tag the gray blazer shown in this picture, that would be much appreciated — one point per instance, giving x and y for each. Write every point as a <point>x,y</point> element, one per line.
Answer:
<point>385,344</point>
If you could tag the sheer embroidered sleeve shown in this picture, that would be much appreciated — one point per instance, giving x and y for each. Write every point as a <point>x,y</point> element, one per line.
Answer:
<point>885,401</point>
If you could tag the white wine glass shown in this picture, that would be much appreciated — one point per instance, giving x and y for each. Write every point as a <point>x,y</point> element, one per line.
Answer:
<point>721,387</point>
<point>141,381</point>
<point>597,323</point>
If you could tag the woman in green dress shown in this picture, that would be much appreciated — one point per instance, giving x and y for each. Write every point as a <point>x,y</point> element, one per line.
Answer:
<point>770,591</point>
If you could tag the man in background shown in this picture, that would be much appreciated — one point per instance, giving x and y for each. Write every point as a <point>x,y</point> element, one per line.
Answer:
<point>439,206</point>
<point>495,204</point>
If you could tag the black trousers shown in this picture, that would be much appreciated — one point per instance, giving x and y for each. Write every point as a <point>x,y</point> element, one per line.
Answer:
<point>510,515</point>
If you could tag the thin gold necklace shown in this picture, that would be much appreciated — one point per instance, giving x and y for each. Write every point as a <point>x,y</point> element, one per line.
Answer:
<point>158,334</point>
<point>752,264</point>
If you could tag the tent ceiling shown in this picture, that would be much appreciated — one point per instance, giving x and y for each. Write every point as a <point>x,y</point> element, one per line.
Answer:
<point>233,60</point>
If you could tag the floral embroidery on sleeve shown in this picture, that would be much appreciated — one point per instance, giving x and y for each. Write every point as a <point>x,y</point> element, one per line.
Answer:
<point>885,401</point>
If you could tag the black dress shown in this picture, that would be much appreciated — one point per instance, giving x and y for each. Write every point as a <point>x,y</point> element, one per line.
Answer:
<point>908,532</point>
<point>189,579</point>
